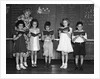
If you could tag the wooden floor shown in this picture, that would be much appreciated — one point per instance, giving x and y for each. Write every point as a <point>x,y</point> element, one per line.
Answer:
<point>54,69</point>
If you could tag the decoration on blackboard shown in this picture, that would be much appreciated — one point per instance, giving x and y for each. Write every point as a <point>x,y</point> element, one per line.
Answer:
<point>7,9</point>
<point>89,12</point>
<point>43,10</point>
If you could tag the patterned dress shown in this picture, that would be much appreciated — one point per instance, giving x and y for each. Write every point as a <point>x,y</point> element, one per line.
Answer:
<point>48,44</point>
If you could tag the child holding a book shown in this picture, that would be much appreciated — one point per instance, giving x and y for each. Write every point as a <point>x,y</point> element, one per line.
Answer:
<point>48,36</point>
<point>79,37</point>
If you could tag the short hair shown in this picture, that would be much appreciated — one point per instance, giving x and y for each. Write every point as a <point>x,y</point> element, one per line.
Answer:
<point>47,23</point>
<point>66,20</point>
<point>79,22</point>
<point>20,22</point>
<point>34,20</point>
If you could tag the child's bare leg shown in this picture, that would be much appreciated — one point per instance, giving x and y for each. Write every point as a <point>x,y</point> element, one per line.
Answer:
<point>17,61</point>
<point>66,60</point>
<point>25,60</point>
<point>62,59</point>
<point>21,61</point>
<point>46,59</point>
<point>76,59</point>
<point>81,57</point>
<point>35,57</point>
<point>17,58</point>
<point>32,60</point>
<point>49,60</point>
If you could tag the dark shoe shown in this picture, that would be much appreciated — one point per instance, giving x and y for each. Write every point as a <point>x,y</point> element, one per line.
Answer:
<point>81,68</point>
<point>45,65</point>
<point>35,65</point>
<point>76,68</point>
<point>49,65</point>
<point>32,65</point>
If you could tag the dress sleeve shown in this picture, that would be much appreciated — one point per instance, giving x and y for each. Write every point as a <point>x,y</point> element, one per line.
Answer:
<point>85,36</point>
<point>73,36</point>
<point>70,30</point>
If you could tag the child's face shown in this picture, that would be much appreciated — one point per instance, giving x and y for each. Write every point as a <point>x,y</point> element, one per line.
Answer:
<point>27,14</point>
<point>47,28</point>
<point>20,26</point>
<point>34,24</point>
<point>65,23</point>
<point>79,26</point>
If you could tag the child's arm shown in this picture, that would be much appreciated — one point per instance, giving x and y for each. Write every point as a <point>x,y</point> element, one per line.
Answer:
<point>52,37</point>
<point>42,36</point>
<point>84,37</point>
<point>74,37</point>
<point>16,37</point>
<point>29,35</point>
<point>69,33</point>
<point>59,32</point>
<point>26,38</point>
<point>39,32</point>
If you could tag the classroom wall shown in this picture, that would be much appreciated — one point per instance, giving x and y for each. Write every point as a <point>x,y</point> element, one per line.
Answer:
<point>83,12</point>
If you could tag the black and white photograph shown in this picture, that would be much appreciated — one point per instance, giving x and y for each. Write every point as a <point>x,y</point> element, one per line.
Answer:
<point>46,38</point>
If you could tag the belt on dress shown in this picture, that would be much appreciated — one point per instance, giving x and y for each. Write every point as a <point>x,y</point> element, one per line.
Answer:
<point>79,42</point>
<point>47,40</point>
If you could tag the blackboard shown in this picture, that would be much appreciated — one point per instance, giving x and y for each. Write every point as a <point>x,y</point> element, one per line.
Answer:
<point>75,12</point>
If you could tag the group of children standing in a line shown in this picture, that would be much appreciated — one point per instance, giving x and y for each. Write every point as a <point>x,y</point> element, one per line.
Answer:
<point>27,34</point>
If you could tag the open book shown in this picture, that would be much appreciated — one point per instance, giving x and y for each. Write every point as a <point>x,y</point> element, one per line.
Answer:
<point>79,33</point>
<point>48,32</point>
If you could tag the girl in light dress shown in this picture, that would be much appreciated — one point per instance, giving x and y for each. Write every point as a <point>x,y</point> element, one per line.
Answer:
<point>65,45</point>
<point>48,36</point>
<point>79,41</point>
<point>20,44</point>
<point>34,33</point>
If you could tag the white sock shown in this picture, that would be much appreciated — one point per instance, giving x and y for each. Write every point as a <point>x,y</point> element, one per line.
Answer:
<point>32,62</point>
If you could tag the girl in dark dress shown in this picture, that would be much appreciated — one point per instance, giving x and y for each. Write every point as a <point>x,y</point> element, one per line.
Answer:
<point>26,18</point>
<point>20,44</point>
<point>79,38</point>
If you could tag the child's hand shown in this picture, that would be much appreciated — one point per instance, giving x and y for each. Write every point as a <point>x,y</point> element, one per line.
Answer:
<point>81,35</point>
<point>77,35</point>
<point>14,54</point>
<point>16,38</point>
<point>19,35</point>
